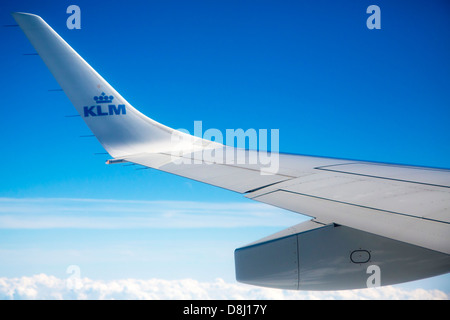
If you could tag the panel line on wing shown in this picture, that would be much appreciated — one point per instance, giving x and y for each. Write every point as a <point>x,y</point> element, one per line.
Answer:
<point>352,204</point>
<point>326,168</point>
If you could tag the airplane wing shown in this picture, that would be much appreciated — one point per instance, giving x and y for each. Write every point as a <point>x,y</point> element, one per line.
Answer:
<point>372,223</point>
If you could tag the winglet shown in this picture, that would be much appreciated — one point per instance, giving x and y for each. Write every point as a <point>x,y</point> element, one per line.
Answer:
<point>119,127</point>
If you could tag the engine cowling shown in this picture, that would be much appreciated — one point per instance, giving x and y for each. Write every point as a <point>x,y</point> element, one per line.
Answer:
<point>311,256</point>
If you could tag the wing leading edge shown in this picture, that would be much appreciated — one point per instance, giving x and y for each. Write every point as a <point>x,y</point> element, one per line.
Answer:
<point>389,204</point>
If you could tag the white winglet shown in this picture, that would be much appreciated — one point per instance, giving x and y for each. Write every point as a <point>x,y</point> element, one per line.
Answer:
<point>120,128</point>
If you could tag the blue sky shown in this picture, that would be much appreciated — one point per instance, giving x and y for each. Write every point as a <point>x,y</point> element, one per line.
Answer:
<point>311,69</point>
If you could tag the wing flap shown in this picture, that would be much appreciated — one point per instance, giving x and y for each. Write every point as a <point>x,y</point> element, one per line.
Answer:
<point>423,201</point>
<point>425,233</point>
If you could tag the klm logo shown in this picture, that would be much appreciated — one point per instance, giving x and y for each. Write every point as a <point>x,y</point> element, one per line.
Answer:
<point>104,107</point>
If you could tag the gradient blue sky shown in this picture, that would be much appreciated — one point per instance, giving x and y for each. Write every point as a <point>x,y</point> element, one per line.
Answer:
<point>311,69</point>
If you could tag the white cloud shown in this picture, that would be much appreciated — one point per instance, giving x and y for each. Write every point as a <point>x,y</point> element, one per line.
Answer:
<point>44,286</point>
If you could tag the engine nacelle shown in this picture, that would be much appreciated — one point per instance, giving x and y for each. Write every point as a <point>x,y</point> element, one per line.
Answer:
<point>311,256</point>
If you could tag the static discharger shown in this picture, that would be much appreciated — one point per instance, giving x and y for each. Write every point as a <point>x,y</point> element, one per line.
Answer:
<point>113,161</point>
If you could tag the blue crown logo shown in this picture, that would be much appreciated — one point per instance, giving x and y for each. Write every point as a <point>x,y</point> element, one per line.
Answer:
<point>103,98</point>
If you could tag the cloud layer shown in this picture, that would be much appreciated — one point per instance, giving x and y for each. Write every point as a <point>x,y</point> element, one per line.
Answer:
<point>40,215</point>
<point>44,286</point>
<point>44,213</point>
